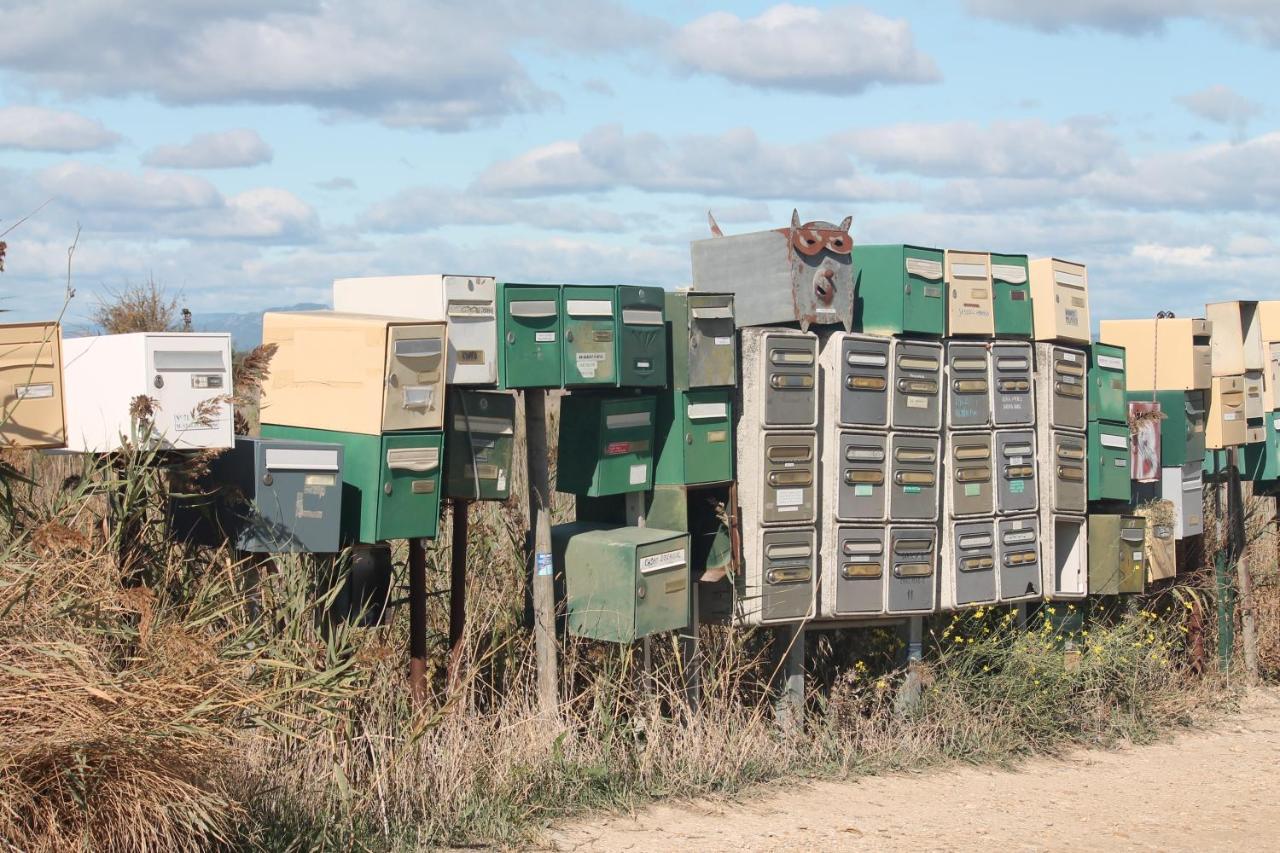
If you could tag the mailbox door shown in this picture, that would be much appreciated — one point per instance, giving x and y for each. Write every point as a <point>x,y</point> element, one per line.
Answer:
<point>860,573</point>
<point>1109,477</point>
<point>864,382</point>
<point>1133,560</point>
<point>1016,487</point>
<point>914,462</point>
<point>1019,558</point>
<point>1253,395</point>
<point>1182,432</point>
<point>788,573</point>
<point>1161,552</point>
<point>974,561</point>
<point>1011,292</point>
<point>1262,460</point>
<point>969,303</point>
<point>478,445</point>
<point>790,380</point>
<point>599,567</point>
<point>790,465</point>
<point>863,463</point>
<point>916,382</point>
<point>662,585</point>
<point>924,309</point>
<point>414,393</point>
<point>1190,502</point>
<point>968,385</point>
<point>970,474</point>
<point>1071,301</point>
<point>899,289</point>
<point>186,374</point>
<point>642,337</point>
<point>913,561</point>
<point>1271,378</point>
<point>473,329</point>
<point>625,452</point>
<point>1106,397</point>
<point>1104,554</point>
<point>31,400</point>
<point>531,336</point>
<point>707,439</point>
<point>298,506</point>
<point>409,506</point>
<point>1226,424</point>
<point>1069,545</point>
<point>712,342</point>
<point>1067,376</point>
<point>1069,472</point>
<point>588,316</point>
<point>1013,391</point>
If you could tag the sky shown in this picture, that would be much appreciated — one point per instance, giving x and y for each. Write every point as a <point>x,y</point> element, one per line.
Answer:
<point>244,153</point>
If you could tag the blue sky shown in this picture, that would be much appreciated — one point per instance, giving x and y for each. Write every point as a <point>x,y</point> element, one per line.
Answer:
<point>248,153</point>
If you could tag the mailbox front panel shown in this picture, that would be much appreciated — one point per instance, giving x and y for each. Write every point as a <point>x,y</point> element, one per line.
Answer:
<point>473,329</point>
<point>31,398</point>
<point>900,289</point>
<point>642,344</point>
<point>862,471</point>
<point>968,385</point>
<point>612,440</point>
<point>916,383</point>
<point>414,393</point>
<point>1017,490</point>
<point>298,501</point>
<point>1012,294</point>
<point>789,363</point>
<point>704,344</point>
<point>1271,378</point>
<point>1063,387</point>
<point>530,336</point>
<point>662,582</point>
<point>1160,544</point>
<point>1253,395</point>
<point>913,562</point>
<point>790,469</point>
<point>1067,564</point>
<point>1013,384</point>
<point>1104,554</point>
<point>1060,300</point>
<point>863,378</point>
<point>914,464</point>
<point>1107,400</point>
<point>973,562</point>
<point>1184,486</point>
<point>695,437</point>
<point>859,576</point>
<point>478,445</point>
<point>1066,470</point>
<point>1182,432</point>
<point>1225,424</point>
<point>1262,460</point>
<point>185,375</point>
<point>1109,452</point>
<point>969,304</point>
<point>1019,558</point>
<point>969,457</point>
<point>1133,558</point>
<point>409,505</point>
<point>788,574</point>
<point>589,318</point>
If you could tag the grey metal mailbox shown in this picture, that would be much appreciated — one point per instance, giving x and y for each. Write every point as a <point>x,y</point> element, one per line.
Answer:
<point>790,472</point>
<point>913,562</point>
<point>1064,479</point>
<point>779,378</point>
<point>1061,373</point>
<point>1016,489</point>
<point>1018,558</point>
<point>859,476</point>
<point>857,574</point>
<point>914,463</point>
<point>968,385</point>
<point>969,472</point>
<point>1013,384</point>
<point>855,371</point>
<point>916,385</point>
<point>971,562</point>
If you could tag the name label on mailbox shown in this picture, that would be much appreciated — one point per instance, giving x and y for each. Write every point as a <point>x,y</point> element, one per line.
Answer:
<point>665,560</point>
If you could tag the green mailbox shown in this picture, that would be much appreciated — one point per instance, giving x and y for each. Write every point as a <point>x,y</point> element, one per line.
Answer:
<point>390,482</point>
<point>479,437</point>
<point>529,336</point>
<point>606,444</point>
<point>900,290</point>
<point>589,317</point>
<point>1262,460</point>
<point>1117,554</point>
<point>1109,478</point>
<point>694,436</point>
<point>1182,429</point>
<point>642,337</point>
<point>698,510</point>
<point>703,343</point>
<point>1107,400</point>
<point>1011,296</point>
<point>622,583</point>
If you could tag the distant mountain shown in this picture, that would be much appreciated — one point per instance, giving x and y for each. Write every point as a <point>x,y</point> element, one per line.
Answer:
<point>245,329</point>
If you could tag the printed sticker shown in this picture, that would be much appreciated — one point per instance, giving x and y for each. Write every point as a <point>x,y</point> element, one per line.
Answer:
<point>542,565</point>
<point>588,363</point>
<point>1017,487</point>
<point>723,341</point>
<point>972,490</point>
<point>790,498</point>
<point>544,337</point>
<point>665,560</point>
<point>863,490</point>
<point>639,474</point>
<point>917,402</point>
<point>33,392</point>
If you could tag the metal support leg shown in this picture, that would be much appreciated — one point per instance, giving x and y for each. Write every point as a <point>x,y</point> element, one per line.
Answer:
<point>909,694</point>
<point>790,704</point>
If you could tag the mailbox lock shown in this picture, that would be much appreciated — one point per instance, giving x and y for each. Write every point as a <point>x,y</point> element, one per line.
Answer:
<point>641,591</point>
<point>688,438</point>
<point>159,383</point>
<point>386,490</point>
<point>511,337</point>
<point>568,336</point>
<point>267,479</point>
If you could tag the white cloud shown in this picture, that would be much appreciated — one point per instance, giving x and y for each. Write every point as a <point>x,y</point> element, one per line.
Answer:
<point>839,51</point>
<point>87,187</point>
<point>226,150</point>
<point>426,208</point>
<point>41,129</point>
<point>1222,105</point>
<point>1187,256</point>
<point>1255,19</point>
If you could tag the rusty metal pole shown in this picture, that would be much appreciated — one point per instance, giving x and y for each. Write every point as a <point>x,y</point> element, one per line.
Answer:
<point>417,621</point>
<point>457,588</point>
<point>1244,578</point>
<point>543,578</point>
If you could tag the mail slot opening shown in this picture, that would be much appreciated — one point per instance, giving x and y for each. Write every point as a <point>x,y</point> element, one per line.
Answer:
<point>1020,558</point>
<point>1018,472</point>
<point>790,478</point>
<point>969,386</point>
<point>641,317</point>
<point>790,381</point>
<point>589,308</point>
<point>866,383</point>
<point>867,359</point>
<point>973,475</point>
<point>1064,390</point>
<point>972,451</point>
<point>873,476</point>
<point>909,454</point>
<point>913,546</point>
<point>627,420</point>
<point>1067,368</point>
<point>791,356</point>
<point>849,571</point>
<point>974,564</point>
<point>787,552</point>
<point>913,570</point>
<point>418,348</point>
<point>1013,386</point>
<point>978,540</point>
<point>413,458</point>
<point>913,478</point>
<point>790,453</point>
<point>1071,473</point>
<point>862,453</point>
<point>1012,364</point>
<point>1074,453</point>
<point>1017,450</point>
<point>533,308</point>
<point>863,546</point>
<point>969,364</point>
<point>917,386</point>
<point>798,574</point>
<point>908,362</point>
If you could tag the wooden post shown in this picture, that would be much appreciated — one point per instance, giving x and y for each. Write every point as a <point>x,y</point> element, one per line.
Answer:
<point>543,578</point>
<point>634,506</point>
<point>457,588</point>
<point>418,620</point>
<point>1244,579</point>
<point>1222,581</point>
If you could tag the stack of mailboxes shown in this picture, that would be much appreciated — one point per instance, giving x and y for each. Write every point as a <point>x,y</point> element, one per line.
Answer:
<point>1262,457</point>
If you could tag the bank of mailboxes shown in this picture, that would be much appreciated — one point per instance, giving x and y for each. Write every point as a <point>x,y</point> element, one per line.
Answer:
<point>1060,300</point>
<point>703,339</point>
<point>530,337</point>
<point>1160,545</point>
<point>1011,295</point>
<point>969,302</point>
<point>1015,460</point>
<point>915,385</point>
<point>969,473</point>
<point>779,387</point>
<point>1170,354</point>
<point>354,372</point>
<point>800,274</point>
<point>1061,380</point>
<point>1109,457</point>
<point>1144,442</point>
<point>1117,554</point>
<point>1225,421</point>
<point>465,302</point>
<point>969,555</point>
<point>968,384</point>
<point>31,392</point>
<point>479,443</point>
<point>1018,558</point>
<point>1236,337</point>
<point>1262,459</point>
<point>854,572</point>
<point>622,583</point>
<point>1064,472</point>
<point>779,583</point>
<point>855,478</point>
<point>694,435</point>
<point>1064,555</point>
<point>1013,391</point>
<point>267,496</point>
<point>1107,400</point>
<point>608,444</point>
<point>391,482</point>
<point>855,373</point>
<point>914,475</point>
<point>900,290</point>
<point>913,569</point>
<point>187,375</point>
<point>613,336</point>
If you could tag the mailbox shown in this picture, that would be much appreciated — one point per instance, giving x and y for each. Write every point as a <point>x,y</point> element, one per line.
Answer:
<point>1160,544</point>
<point>1061,373</point>
<point>785,479</point>
<point>1255,433</point>
<point>31,394</point>
<point>703,339</point>
<point>1236,337</point>
<point>969,303</point>
<point>779,582</point>
<point>779,378</point>
<point>1268,312</point>
<point>1018,558</point>
<point>914,463</point>
<point>1271,378</point>
<point>1060,300</point>
<point>1011,293</point>
<point>969,563</point>
<point>1254,407</point>
<point>642,337</point>
<point>1262,460</point>
<point>186,375</point>
<point>855,472</point>
<point>1106,398</point>
<point>1117,561</point>
<point>1064,555</point>
<point>354,372</point>
<point>268,496</point>
<point>900,290</point>
<point>1225,421</point>
<point>855,380</point>
<point>969,471</point>
<point>968,385</point>
<point>608,444</point>
<point>464,302</point>
<point>1183,425</point>
<point>1016,488</point>
<point>693,509</point>
<point>1109,477</point>
<point>589,317</point>
<point>1183,487</point>
<point>622,583</point>
<point>390,483</point>
<point>801,274</point>
<point>854,570</point>
<point>1013,387</point>
<point>1183,362</point>
<point>695,436</point>
<point>1063,466</point>
<point>530,336</point>
<point>915,384</point>
<point>1144,441</point>
<point>478,445</point>
<point>913,561</point>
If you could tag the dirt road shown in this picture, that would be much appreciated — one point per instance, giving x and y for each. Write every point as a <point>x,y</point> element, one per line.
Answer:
<point>1203,790</point>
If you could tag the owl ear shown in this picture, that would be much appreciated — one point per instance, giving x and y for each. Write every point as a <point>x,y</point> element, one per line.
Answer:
<point>795,218</point>
<point>715,229</point>
<point>844,226</point>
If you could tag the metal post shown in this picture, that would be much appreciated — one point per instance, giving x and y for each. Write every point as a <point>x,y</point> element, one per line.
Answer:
<point>909,694</point>
<point>543,579</point>
<point>789,708</point>
<point>457,588</point>
<point>1222,581</point>
<point>1022,608</point>
<point>418,620</point>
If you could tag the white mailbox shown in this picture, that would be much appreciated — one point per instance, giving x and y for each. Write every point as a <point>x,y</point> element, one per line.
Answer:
<point>1064,548</point>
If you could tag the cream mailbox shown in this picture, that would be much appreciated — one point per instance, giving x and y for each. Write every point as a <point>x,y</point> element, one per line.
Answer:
<point>1225,422</point>
<point>853,573</point>
<point>1236,337</point>
<point>1060,300</point>
<point>1061,373</point>
<point>187,376</point>
<point>1171,354</point>
<point>354,372</point>
<point>464,302</point>
<point>968,385</point>
<point>31,398</point>
<point>1018,558</point>
<point>779,378</point>
<point>855,380</point>
<point>969,303</point>
<point>915,385</point>
<point>1012,388</point>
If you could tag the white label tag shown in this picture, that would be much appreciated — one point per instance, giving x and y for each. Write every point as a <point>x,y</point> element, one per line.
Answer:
<point>1121,463</point>
<point>1137,556</point>
<point>1231,416</point>
<point>917,402</point>
<point>1117,442</point>
<point>1110,362</point>
<point>1016,460</point>
<point>544,337</point>
<point>588,362</point>
<point>502,479</point>
<point>1070,356</point>
<point>33,392</point>
<point>639,474</point>
<point>665,560</point>
<point>320,479</point>
<point>790,498</point>
<point>725,341</point>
